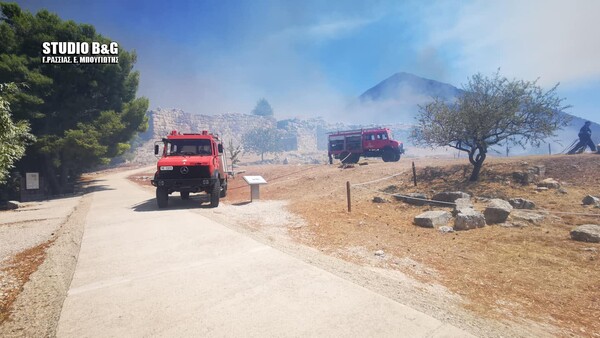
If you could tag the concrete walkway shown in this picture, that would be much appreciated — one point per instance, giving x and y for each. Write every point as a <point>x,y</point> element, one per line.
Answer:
<point>146,272</point>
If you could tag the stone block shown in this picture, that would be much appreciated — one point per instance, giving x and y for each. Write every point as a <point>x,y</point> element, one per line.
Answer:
<point>497,211</point>
<point>586,233</point>
<point>432,219</point>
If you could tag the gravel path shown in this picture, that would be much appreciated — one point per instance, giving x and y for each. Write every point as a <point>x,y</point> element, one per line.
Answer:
<point>36,311</point>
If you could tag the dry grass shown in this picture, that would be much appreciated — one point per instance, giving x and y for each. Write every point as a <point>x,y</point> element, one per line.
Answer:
<point>17,272</point>
<point>534,272</point>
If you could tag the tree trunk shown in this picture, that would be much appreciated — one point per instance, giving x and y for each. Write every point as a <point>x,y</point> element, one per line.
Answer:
<point>476,157</point>
<point>475,173</point>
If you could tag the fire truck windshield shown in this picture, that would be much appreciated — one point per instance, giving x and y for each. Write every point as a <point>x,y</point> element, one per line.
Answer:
<point>188,147</point>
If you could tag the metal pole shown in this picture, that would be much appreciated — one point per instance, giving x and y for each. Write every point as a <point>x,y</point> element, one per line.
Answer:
<point>414,174</point>
<point>348,196</point>
<point>549,149</point>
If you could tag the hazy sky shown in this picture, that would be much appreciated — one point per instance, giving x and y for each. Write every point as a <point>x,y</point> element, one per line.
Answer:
<point>311,58</point>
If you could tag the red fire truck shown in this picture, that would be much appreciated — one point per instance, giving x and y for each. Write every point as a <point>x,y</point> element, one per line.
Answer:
<point>349,145</point>
<point>190,163</point>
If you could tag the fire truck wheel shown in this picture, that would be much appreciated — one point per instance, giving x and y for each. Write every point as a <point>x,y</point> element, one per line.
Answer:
<point>388,156</point>
<point>162,197</point>
<point>185,195</point>
<point>345,157</point>
<point>224,190</point>
<point>354,158</point>
<point>215,194</point>
<point>396,157</point>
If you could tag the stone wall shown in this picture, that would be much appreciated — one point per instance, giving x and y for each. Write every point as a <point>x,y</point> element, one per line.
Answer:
<point>301,135</point>
<point>162,121</point>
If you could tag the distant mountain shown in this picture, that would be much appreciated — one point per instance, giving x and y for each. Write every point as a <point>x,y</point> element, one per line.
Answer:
<point>405,84</point>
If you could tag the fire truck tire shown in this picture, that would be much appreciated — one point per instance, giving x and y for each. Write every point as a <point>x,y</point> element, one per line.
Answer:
<point>396,157</point>
<point>388,156</point>
<point>224,190</point>
<point>345,157</point>
<point>215,194</point>
<point>162,197</point>
<point>185,195</point>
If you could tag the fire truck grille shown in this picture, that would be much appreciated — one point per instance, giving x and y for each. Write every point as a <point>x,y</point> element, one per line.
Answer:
<point>182,173</point>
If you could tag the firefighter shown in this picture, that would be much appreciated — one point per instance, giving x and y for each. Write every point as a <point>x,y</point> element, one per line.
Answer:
<point>585,139</point>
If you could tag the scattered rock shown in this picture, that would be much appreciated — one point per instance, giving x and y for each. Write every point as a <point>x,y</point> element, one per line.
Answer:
<point>378,199</point>
<point>521,203</point>
<point>527,216</point>
<point>431,219</point>
<point>412,198</point>
<point>541,188</point>
<point>586,233</point>
<point>461,204</point>
<point>523,177</point>
<point>589,249</point>
<point>390,189</point>
<point>469,219</point>
<point>10,205</point>
<point>445,229</point>
<point>590,200</point>
<point>538,170</point>
<point>562,190</point>
<point>379,253</point>
<point>497,211</point>
<point>549,183</point>
<point>513,224</point>
<point>450,196</point>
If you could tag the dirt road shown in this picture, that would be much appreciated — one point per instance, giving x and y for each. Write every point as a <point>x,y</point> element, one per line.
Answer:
<point>148,272</point>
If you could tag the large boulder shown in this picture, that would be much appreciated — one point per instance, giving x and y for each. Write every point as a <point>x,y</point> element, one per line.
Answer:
<point>461,204</point>
<point>413,198</point>
<point>497,211</point>
<point>586,233</point>
<point>590,200</point>
<point>521,203</point>
<point>432,219</point>
<point>549,183</point>
<point>450,196</point>
<point>469,219</point>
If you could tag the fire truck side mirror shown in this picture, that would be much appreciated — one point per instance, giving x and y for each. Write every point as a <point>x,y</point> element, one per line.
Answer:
<point>220,147</point>
<point>156,148</point>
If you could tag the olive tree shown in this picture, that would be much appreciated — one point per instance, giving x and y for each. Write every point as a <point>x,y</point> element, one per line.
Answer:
<point>489,111</point>
<point>261,141</point>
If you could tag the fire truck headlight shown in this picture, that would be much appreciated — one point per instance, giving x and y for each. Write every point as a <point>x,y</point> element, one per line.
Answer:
<point>166,167</point>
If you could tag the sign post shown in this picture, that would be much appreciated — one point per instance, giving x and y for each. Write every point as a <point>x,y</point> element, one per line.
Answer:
<point>254,182</point>
<point>32,181</point>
